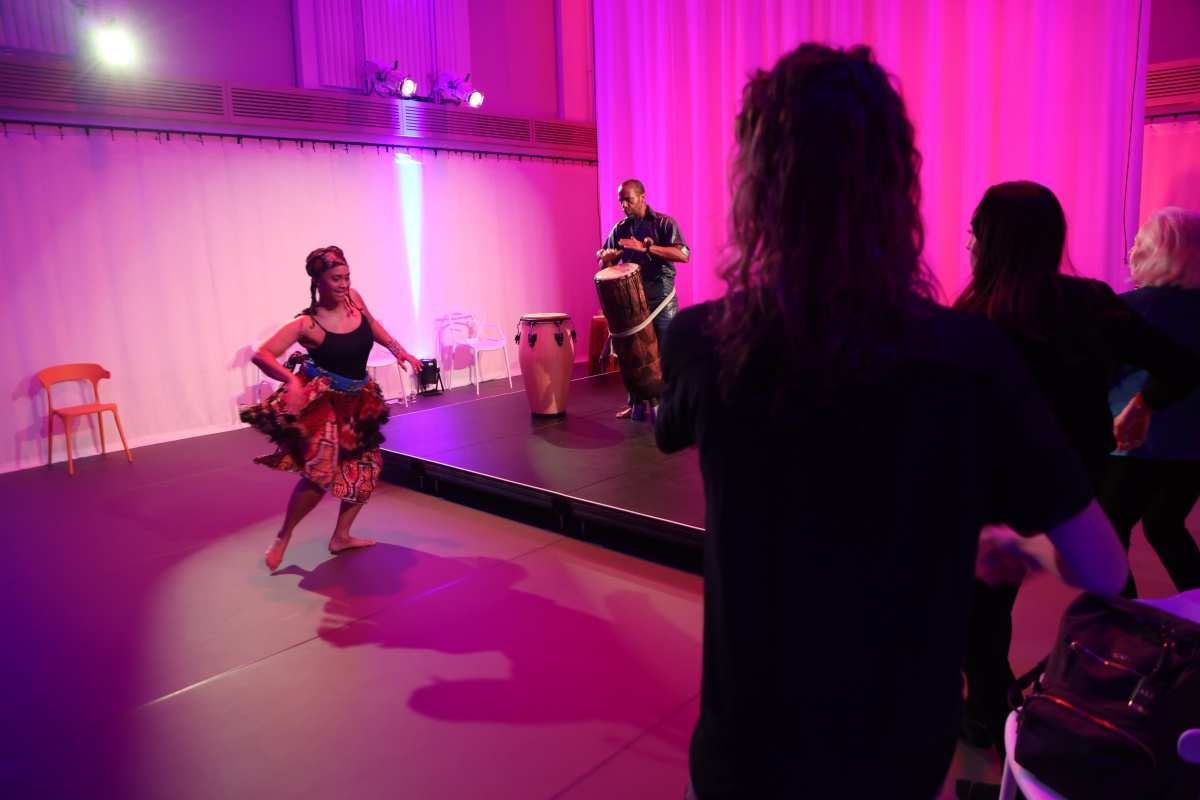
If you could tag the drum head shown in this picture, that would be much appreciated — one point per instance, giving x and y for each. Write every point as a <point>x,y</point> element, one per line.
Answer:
<point>616,272</point>
<point>547,316</point>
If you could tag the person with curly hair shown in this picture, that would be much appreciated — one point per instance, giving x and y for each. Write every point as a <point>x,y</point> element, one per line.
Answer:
<point>854,439</point>
<point>326,418</point>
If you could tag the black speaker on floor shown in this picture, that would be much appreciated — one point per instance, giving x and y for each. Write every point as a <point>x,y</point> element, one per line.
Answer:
<point>431,377</point>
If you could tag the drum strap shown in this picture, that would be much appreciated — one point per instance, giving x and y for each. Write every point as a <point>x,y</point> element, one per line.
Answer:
<point>636,329</point>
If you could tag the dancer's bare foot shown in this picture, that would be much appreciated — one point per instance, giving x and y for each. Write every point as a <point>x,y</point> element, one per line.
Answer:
<point>349,543</point>
<point>275,552</point>
<point>625,413</point>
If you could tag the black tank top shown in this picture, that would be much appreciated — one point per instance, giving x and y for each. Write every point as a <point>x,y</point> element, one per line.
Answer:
<point>345,354</point>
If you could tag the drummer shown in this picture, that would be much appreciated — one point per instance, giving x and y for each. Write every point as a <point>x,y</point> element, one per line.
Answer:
<point>654,242</point>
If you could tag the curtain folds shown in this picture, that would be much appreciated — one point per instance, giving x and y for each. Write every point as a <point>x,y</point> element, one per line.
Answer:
<point>998,91</point>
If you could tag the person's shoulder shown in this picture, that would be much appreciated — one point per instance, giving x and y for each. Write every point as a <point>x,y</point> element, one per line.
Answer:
<point>1087,289</point>
<point>665,219</point>
<point>959,338</point>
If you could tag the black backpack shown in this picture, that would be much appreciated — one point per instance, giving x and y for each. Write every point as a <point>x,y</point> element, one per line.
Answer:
<point>1120,686</point>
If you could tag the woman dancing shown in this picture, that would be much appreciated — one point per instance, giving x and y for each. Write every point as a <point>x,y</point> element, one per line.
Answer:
<point>326,417</point>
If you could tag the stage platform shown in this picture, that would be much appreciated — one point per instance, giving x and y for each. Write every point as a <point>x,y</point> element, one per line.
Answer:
<point>587,468</point>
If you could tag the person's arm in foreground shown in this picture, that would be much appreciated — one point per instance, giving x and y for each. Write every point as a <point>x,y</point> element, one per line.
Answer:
<point>1083,552</point>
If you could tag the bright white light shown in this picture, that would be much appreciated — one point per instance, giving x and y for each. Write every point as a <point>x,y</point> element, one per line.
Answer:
<point>114,46</point>
<point>408,87</point>
<point>475,100</point>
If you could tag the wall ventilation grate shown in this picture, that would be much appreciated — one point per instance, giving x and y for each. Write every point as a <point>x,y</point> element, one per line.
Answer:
<point>562,134</point>
<point>313,111</point>
<point>1175,82</point>
<point>431,120</point>
<point>98,90</point>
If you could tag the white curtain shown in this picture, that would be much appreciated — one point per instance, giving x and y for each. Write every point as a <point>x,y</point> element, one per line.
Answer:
<point>165,261</point>
<point>998,91</point>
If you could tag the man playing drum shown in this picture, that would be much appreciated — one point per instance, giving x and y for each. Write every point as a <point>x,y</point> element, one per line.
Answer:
<point>654,242</point>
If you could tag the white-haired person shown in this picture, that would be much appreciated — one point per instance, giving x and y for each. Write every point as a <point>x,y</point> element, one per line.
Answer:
<point>1157,478</point>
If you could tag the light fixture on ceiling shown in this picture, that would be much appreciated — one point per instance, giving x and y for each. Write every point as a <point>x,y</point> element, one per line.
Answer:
<point>450,88</point>
<point>113,44</point>
<point>389,81</point>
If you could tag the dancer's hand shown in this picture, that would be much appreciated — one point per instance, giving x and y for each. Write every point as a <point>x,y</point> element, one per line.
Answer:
<point>410,362</point>
<point>293,396</point>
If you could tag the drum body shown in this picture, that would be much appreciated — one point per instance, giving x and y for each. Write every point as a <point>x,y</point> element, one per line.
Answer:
<point>546,350</point>
<point>623,301</point>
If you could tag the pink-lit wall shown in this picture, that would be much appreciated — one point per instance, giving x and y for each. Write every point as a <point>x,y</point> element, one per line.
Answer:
<point>1174,30</point>
<point>229,40</point>
<point>1171,157</point>
<point>576,64</point>
<point>513,56</point>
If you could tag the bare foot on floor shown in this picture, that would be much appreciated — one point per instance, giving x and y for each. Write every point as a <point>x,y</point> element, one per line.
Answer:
<point>625,413</point>
<point>349,543</point>
<point>275,552</point>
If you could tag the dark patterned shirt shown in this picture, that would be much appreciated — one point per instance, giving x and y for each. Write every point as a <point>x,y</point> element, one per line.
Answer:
<point>658,274</point>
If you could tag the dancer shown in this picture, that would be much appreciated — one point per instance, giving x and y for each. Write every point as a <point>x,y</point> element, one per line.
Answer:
<point>1071,333</point>
<point>654,242</point>
<point>1156,479</point>
<point>854,437</point>
<point>326,418</point>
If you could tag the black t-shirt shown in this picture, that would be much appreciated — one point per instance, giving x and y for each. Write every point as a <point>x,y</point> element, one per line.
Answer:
<point>839,554</point>
<point>1105,332</point>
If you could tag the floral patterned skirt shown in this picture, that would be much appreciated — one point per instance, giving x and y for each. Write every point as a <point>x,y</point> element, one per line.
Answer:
<point>334,441</point>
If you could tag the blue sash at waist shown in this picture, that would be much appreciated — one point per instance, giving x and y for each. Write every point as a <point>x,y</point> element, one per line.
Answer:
<point>336,382</point>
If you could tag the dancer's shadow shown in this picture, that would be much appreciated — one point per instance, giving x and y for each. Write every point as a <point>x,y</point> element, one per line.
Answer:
<point>566,664</point>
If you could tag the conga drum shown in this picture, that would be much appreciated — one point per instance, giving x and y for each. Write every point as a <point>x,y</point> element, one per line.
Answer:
<point>546,351</point>
<point>623,301</point>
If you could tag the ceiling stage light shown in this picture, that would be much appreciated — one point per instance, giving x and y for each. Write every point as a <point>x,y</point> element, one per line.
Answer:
<point>389,81</point>
<point>450,88</point>
<point>114,46</point>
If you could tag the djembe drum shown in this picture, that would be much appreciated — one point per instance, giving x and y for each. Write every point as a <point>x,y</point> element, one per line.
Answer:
<point>546,351</point>
<point>623,301</point>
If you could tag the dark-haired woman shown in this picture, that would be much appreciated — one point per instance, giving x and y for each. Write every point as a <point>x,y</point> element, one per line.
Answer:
<point>854,437</point>
<point>326,417</point>
<point>1071,333</point>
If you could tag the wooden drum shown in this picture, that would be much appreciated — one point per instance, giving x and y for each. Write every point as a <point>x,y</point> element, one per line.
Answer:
<point>546,350</point>
<point>623,300</point>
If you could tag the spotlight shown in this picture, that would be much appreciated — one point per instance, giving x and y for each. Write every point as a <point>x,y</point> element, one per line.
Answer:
<point>389,81</point>
<point>450,88</point>
<point>113,45</point>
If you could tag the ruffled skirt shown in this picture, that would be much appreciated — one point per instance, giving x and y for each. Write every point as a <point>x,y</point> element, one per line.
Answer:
<point>334,441</point>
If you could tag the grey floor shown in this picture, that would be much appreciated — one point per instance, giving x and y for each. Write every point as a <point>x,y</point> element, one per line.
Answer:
<point>149,654</point>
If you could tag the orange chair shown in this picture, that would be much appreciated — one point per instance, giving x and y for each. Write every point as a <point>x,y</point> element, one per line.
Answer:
<point>77,372</point>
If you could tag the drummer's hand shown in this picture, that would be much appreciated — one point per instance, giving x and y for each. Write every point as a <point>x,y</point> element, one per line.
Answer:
<point>608,255</point>
<point>634,245</point>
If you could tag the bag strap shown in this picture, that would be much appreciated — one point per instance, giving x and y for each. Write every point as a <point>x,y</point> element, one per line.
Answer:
<point>1016,692</point>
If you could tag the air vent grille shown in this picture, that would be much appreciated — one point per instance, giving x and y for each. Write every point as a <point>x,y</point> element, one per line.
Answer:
<point>1176,83</point>
<point>564,134</point>
<point>313,111</point>
<point>430,120</point>
<point>39,84</point>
